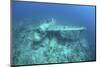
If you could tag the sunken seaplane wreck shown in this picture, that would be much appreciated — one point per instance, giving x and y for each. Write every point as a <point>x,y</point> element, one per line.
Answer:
<point>52,31</point>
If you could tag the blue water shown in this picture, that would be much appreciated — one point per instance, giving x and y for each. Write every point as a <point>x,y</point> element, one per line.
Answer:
<point>71,15</point>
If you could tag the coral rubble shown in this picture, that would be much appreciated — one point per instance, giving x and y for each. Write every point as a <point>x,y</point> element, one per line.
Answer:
<point>49,43</point>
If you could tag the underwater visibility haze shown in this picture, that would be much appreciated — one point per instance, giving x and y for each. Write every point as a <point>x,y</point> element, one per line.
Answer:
<point>46,33</point>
